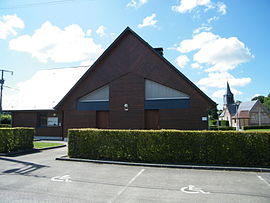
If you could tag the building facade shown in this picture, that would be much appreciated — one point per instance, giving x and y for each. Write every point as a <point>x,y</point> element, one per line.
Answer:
<point>251,113</point>
<point>131,86</point>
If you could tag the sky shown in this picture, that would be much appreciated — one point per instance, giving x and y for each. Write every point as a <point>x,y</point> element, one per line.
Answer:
<point>209,41</point>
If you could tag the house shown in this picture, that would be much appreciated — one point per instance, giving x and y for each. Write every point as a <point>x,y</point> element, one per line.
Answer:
<point>130,86</point>
<point>251,113</point>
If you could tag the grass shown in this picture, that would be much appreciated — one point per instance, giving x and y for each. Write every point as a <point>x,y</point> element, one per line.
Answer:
<point>40,145</point>
<point>261,130</point>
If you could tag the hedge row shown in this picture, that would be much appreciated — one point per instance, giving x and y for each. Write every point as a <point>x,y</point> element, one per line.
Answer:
<point>257,127</point>
<point>14,139</point>
<point>5,125</point>
<point>172,146</point>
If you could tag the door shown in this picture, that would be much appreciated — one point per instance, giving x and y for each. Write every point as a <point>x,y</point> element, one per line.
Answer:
<point>102,119</point>
<point>151,118</point>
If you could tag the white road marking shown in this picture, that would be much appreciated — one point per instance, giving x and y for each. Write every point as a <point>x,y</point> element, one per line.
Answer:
<point>65,178</point>
<point>191,189</point>
<point>126,186</point>
<point>261,178</point>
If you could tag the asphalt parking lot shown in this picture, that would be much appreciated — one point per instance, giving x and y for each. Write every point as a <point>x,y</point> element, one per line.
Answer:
<point>39,177</point>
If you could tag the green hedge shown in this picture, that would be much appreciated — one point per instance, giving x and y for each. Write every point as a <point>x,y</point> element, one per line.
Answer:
<point>172,146</point>
<point>5,125</point>
<point>256,127</point>
<point>14,139</point>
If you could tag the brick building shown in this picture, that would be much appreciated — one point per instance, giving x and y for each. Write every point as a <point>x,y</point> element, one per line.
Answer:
<point>130,86</point>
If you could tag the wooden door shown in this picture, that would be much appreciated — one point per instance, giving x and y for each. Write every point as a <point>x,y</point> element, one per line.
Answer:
<point>102,119</point>
<point>151,118</point>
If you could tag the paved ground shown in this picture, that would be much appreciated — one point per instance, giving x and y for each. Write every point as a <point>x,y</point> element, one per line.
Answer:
<point>40,178</point>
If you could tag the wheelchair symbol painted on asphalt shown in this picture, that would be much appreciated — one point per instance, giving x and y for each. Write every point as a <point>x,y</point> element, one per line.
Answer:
<point>65,178</point>
<point>191,189</point>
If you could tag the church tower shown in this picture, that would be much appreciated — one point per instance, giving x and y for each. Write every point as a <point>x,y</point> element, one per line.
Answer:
<point>228,97</point>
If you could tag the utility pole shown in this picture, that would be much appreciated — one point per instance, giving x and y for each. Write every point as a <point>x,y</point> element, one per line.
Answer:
<point>2,81</point>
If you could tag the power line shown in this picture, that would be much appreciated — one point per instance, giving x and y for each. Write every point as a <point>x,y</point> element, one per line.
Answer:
<point>49,3</point>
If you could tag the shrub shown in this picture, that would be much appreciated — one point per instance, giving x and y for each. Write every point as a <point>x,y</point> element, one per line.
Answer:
<point>5,125</point>
<point>172,146</point>
<point>14,139</point>
<point>256,127</point>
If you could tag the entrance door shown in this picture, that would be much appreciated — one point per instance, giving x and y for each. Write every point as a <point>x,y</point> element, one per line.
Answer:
<point>151,119</point>
<point>102,119</point>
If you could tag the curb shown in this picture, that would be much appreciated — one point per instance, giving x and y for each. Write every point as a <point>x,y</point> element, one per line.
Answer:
<point>18,153</point>
<point>34,150</point>
<point>198,167</point>
<point>55,147</point>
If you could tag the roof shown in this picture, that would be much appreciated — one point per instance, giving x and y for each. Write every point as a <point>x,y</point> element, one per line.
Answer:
<point>232,108</point>
<point>110,48</point>
<point>246,106</point>
<point>228,92</point>
<point>44,90</point>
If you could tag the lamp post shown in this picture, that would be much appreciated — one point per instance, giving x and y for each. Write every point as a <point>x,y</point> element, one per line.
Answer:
<point>236,113</point>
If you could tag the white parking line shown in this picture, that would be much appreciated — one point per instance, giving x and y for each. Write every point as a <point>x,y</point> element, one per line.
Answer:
<point>126,186</point>
<point>261,178</point>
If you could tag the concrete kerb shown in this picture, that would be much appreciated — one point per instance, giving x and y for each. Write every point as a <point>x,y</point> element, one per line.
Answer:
<point>30,151</point>
<point>198,167</point>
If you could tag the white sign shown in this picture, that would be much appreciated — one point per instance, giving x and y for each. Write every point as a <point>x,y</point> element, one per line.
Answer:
<point>52,121</point>
<point>204,118</point>
<point>65,178</point>
<point>191,189</point>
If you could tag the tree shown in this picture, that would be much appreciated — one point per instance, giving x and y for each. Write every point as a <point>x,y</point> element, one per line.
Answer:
<point>266,102</point>
<point>213,113</point>
<point>260,98</point>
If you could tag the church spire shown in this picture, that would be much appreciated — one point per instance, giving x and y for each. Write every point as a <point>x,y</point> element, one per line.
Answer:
<point>228,97</point>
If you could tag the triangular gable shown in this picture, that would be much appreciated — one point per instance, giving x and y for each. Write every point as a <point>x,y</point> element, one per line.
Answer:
<point>154,90</point>
<point>101,94</point>
<point>110,48</point>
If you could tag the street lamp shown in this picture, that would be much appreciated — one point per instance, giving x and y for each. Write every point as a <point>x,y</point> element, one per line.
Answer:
<point>236,113</point>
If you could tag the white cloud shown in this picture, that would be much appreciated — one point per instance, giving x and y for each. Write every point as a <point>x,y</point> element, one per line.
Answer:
<point>86,63</point>
<point>219,80</point>
<point>189,5</point>
<point>221,93</point>
<point>222,8</point>
<point>182,61</point>
<point>148,21</point>
<point>89,32</point>
<point>222,54</point>
<point>210,20</point>
<point>44,90</point>
<point>196,66</point>
<point>202,28</point>
<point>136,4</point>
<point>8,24</point>
<point>51,42</point>
<point>101,31</point>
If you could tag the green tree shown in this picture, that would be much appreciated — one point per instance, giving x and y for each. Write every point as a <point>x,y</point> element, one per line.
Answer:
<point>266,102</point>
<point>261,98</point>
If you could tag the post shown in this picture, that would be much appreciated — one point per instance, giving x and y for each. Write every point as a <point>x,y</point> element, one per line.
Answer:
<point>2,81</point>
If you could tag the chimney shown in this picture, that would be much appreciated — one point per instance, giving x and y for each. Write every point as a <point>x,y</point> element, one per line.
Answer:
<point>159,50</point>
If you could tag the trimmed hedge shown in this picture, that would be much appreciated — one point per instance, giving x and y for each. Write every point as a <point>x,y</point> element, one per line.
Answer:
<point>256,127</point>
<point>5,125</point>
<point>172,146</point>
<point>14,139</point>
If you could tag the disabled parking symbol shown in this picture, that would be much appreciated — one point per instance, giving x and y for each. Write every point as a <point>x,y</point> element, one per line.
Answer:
<point>191,189</point>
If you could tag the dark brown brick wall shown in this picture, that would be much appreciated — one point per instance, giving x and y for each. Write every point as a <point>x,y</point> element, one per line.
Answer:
<point>124,68</point>
<point>31,119</point>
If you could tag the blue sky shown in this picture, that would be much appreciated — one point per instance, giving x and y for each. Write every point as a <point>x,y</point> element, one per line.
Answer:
<point>207,40</point>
